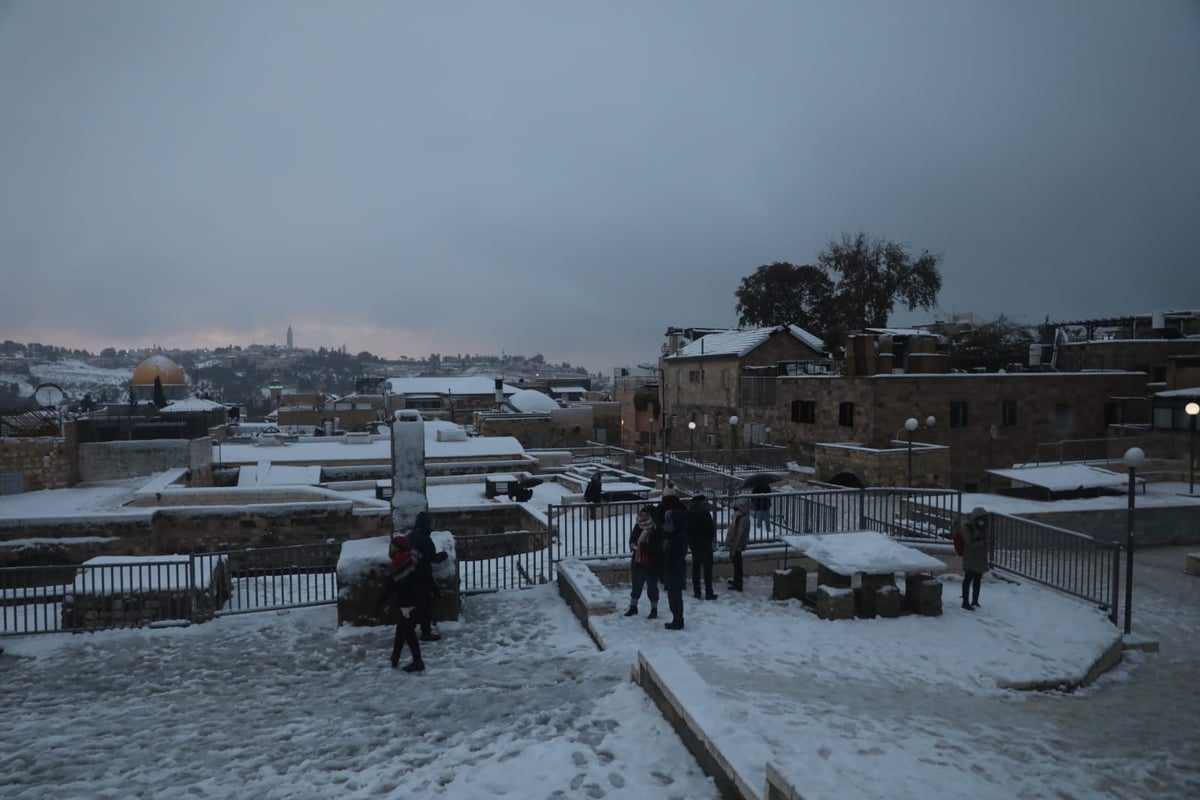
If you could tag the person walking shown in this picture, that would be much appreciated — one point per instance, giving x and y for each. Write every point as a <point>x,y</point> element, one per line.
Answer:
<point>674,560</point>
<point>976,543</point>
<point>737,535</point>
<point>702,536</point>
<point>593,494</point>
<point>403,589</point>
<point>422,542</point>
<point>645,544</point>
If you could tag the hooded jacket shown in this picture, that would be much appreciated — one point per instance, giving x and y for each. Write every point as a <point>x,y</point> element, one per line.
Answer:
<point>737,536</point>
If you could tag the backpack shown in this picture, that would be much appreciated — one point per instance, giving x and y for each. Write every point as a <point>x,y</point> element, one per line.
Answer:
<point>405,559</point>
<point>960,544</point>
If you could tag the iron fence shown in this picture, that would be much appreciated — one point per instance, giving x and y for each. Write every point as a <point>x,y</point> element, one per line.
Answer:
<point>1074,563</point>
<point>133,592</point>
<point>491,562</point>
<point>603,530</point>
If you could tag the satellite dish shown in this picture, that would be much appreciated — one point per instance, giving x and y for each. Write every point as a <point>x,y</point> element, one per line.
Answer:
<point>995,432</point>
<point>48,395</point>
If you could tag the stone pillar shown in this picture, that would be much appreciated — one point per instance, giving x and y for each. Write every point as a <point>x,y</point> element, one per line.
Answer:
<point>408,469</point>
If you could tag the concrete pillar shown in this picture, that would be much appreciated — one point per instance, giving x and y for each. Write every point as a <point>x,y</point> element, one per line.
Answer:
<point>408,469</point>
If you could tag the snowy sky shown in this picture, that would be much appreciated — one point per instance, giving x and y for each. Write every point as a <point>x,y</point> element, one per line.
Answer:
<point>207,174</point>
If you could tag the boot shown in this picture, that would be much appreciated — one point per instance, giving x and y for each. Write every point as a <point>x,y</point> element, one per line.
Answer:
<point>632,612</point>
<point>416,666</point>
<point>674,625</point>
<point>710,596</point>
<point>430,636</point>
<point>653,613</point>
<point>967,605</point>
<point>696,594</point>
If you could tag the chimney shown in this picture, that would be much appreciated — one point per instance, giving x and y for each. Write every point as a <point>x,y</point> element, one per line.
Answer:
<point>499,392</point>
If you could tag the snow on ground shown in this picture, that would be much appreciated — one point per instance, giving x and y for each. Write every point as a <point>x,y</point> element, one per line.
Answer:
<point>519,702</point>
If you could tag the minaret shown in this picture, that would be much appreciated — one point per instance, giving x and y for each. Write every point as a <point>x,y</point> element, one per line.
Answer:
<point>289,337</point>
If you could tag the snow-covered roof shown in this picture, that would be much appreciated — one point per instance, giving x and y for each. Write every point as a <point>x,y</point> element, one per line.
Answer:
<point>475,384</point>
<point>740,342</point>
<point>1188,393</point>
<point>532,400</point>
<point>568,389</point>
<point>1064,477</point>
<point>190,405</point>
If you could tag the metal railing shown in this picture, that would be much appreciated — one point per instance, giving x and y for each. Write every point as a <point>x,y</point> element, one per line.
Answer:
<point>1071,562</point>
<point>133,592</point>
<point>496,561</point>
<point>602,530</point>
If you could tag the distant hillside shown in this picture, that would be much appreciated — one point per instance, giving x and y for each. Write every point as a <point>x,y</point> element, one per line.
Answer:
<point>236,375</point>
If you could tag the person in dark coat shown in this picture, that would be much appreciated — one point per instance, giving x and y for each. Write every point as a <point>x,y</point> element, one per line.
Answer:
<point>737,536</point>
<point>593,493</point>
<point>975,556</point>
<point>702,536</point>
<point>403,590</point>
<point>645,544</point>
<point>674,561</point>
<point>761,503</point>
<point>422,541</point>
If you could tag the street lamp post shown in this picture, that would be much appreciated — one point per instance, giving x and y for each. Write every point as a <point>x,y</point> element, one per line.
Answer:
<point>1134,457</point>
<point>692,443</point>
<point>733,421</point>
<point>1192,410</point>
<point>910,425</point>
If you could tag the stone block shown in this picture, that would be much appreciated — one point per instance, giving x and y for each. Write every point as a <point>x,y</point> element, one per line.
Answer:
<point>926,597</point>
<point>888,602</point>
<point>835,602</point>
<point>1192,564</point>
<point>826,577</point>
<point>911,581</point>
<point>789,584</point>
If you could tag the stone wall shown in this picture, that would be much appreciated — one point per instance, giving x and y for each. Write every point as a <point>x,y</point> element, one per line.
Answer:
<point>930,464</point>
<point>168,531</point>
<point>129,459</point>
<point>1152,526</point>
<point>44,462</point>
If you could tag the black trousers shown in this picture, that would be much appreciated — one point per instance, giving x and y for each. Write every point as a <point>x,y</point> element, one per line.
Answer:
<point>675,603</point>
<point>702,564</point>
<point>424,615</point>
<point>406,633</point>
<point>972,581</point>
<point>736,560</point>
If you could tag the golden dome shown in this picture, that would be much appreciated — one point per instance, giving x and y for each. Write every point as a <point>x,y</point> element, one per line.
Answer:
<point>158,366</point>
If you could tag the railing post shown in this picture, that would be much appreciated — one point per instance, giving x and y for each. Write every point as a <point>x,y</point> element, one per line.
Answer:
<point>862,507</point>
<point>1115,555</point>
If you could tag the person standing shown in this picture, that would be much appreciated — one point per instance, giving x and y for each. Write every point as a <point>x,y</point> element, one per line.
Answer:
<point>645,544</point>
<point>702,536</point>
<point>674,560</point>
<point>761,504</point>
<point>593,494</point>
<point>422,542</point>
<point>737,535</point>
<point>403,590</point>
<point>976,543</point>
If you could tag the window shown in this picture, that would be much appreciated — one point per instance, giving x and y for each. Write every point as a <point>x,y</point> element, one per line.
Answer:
<point>846,415</point>
<point>696,376</point>
<point>1062,417</point>
<point>1008,413</point>
<point>958,414</point>
<point>1112,413</point>
<point>804,411</point>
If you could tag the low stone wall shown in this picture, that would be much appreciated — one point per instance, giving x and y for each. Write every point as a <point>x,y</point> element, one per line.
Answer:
<point>1156,525</point>
<point>182,530</point>
<point>500,518</point>
<point>362,571</point>
<point>90,610</point>
<point>129,459</point>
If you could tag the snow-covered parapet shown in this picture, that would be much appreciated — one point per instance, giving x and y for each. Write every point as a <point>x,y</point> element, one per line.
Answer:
<point>584,593</point>
<point>362,568</point>
<point>408,469</point>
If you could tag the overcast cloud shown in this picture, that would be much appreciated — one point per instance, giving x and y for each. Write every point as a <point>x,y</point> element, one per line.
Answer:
<point>571,178</point>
